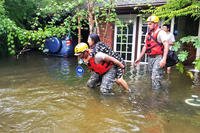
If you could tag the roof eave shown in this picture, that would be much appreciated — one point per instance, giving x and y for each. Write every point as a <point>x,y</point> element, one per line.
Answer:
<point>140,5</point>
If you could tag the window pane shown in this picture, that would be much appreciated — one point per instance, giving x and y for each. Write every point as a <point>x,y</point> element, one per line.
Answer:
<point>144,30</point>
<point>124,39</point>
<point>124,56</point>
<point>124,30</point>
<point>123,47</point>
<point>129,56</point>
<point>129,48</point>
<point>118,30</point>
<point>130,28</point>
<point>118,47</point>
<point>118,38</point>
<point>129,39</point>
<point>143,37</point>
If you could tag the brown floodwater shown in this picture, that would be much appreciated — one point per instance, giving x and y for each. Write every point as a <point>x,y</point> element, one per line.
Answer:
<point>40,94</point>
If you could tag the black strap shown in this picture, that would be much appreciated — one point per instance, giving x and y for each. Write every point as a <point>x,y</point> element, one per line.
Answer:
<point>155,39</point>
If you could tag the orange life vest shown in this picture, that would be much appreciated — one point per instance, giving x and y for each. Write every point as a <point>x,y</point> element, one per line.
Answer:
<point>153,47</point>
<point>100,68</point>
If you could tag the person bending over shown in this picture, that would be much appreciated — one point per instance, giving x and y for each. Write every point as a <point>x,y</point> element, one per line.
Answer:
<point>103,67</point>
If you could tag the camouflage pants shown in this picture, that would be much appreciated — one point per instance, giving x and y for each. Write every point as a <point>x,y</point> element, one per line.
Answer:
<point>106,80</point>
<point>155,71</point>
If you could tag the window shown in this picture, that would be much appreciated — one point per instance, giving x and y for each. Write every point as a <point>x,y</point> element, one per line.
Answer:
<point>124,37</point>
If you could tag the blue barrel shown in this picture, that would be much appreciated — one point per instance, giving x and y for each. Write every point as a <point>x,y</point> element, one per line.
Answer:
<point>53,44</point>
<point>67,47</point>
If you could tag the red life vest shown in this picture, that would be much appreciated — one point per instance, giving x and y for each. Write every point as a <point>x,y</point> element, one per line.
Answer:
<point>153,47</point>
<point>100,68</point>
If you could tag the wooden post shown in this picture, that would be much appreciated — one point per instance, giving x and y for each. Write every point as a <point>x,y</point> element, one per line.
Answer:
<point>79,29</point>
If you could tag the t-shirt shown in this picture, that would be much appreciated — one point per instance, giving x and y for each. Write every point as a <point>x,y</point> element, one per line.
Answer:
<point>171,39</point>
<point>162,36</point>
<point>99,57</point>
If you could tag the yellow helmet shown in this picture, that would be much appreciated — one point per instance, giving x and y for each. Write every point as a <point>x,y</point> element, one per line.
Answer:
<point>153,19</point>
<point>81,47</point>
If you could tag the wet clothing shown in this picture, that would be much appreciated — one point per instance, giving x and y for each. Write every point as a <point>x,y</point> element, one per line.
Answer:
<point>100,68</point>
<point>106,80</point>
<point>155,56</point>
<point>155,71</point>
<point>101,47</point>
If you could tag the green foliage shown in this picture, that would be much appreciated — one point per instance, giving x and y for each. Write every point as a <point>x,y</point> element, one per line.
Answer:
<point>30,22</point>
<point>106,13</point>
<point>177,46</point>
<point>177,8</point>
<point>17,37</point>
<point>197,64</point>
<point>20,10</point>
<point>189,40</point>
<point>180,67</point>
<point>182,56</point>
<point>53,13</point>
<point>2,10</point>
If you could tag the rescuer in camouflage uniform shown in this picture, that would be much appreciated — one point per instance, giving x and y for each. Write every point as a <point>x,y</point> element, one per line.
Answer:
<point>156,47</point>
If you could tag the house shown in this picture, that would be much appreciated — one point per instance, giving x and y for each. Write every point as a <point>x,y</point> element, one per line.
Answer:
<point>129,40</point>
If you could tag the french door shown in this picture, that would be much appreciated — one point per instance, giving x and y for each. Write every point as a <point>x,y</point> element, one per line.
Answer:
<point>124,41</point>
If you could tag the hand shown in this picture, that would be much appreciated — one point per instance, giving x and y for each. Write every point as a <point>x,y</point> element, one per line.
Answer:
<point>123,69</point>
<point>162,63</point>
<point>137,61</point>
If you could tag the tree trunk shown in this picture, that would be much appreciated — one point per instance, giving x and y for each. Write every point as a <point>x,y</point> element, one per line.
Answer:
<point>91,15</point>
<point>97,26</point>
<point>79,29</point>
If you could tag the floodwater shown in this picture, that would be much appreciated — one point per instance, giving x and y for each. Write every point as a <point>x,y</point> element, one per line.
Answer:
<point>40,94</point>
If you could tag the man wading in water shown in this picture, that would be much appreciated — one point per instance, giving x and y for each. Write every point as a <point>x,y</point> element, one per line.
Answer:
<point>103,67</point>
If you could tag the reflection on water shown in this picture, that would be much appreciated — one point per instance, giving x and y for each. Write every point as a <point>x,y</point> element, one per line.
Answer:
<point>196,80</point>
<point>43,94</point>
<point>58,69</point>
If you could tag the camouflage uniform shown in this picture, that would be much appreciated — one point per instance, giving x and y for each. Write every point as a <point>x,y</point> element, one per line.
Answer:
<point>109,77</point>
<point>106,80</point>
<point>155,71</point>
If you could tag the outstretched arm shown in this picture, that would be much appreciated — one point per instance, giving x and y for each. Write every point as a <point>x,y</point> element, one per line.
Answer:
<point>137,61</point>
